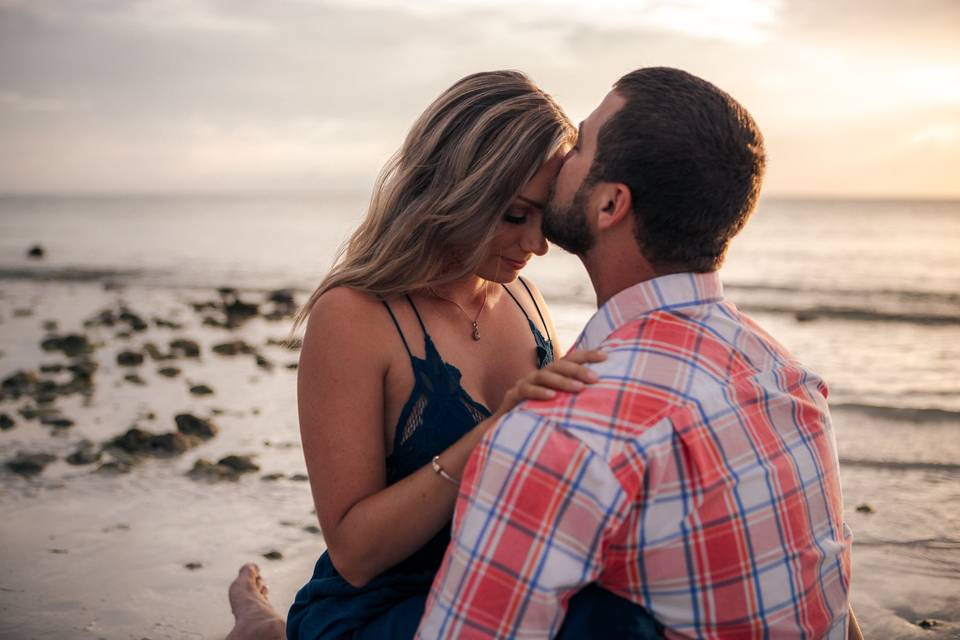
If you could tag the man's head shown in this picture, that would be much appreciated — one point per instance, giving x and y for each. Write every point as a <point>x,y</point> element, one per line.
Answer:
<point>683,157</point>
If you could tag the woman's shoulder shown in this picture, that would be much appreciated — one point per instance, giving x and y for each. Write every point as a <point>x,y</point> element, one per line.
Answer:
<point>343,313</point>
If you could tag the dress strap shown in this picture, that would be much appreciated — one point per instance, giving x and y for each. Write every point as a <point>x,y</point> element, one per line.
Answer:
<point>522,310</point>
<point>535,305</point>
<point>416,313</point>
<point>399,330</point>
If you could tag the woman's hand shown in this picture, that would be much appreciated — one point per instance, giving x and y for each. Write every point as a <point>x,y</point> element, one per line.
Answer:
<point>567,374</point>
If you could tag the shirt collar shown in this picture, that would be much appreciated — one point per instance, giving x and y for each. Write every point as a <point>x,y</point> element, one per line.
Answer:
<point>674,291</point>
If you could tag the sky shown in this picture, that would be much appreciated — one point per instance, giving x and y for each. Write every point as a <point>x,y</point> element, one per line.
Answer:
<point>859,98</point>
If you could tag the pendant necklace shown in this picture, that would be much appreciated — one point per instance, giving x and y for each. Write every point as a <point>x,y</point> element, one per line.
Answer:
<point>476,327</point>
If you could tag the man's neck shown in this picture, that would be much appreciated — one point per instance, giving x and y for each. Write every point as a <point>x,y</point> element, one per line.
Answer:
<point>613,269</point>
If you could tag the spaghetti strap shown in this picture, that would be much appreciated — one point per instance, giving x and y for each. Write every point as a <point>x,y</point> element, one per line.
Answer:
<point>535,305</point>
<point>416,313</point>
<point>514,299</point>
<point>399,330</point>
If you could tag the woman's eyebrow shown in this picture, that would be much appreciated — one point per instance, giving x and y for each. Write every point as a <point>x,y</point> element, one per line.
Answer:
<point>532,203</point>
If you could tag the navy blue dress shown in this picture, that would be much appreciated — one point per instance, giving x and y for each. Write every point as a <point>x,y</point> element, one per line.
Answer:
<point>438,413</point>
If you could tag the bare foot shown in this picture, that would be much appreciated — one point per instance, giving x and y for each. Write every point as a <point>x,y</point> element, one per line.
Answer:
<point>256,617</point>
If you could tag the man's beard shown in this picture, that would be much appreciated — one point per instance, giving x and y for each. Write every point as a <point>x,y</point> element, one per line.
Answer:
<point>566,226</point>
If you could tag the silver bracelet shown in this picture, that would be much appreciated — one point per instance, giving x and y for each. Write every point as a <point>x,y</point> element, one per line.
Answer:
<point>440,471</point>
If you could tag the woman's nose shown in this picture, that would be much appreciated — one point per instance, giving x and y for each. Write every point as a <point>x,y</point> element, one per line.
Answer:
<point>533,240</point>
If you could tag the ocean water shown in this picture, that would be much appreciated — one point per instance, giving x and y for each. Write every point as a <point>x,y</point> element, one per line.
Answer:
<point>867,293</point>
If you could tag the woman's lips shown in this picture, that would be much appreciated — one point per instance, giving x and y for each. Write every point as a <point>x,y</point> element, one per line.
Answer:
<point>516,265</point>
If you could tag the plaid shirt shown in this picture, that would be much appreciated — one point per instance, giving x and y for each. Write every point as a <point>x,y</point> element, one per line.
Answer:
<point>697,478</point>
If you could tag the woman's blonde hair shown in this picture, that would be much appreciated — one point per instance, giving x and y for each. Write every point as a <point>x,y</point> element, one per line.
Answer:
<point>437,203</point>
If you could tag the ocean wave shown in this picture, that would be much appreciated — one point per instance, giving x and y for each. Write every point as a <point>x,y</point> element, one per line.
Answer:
<point>939,544</point>
<point>899,414</point>
<point>913,296</point>
<point>901,465</point>
<point>817,312</point>
<point>68,274</point>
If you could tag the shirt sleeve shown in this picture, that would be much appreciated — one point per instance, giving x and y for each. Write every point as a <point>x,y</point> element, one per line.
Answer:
<point>534,509</point>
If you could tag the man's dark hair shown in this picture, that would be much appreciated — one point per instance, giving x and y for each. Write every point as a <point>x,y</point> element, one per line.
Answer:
<point>693,159</point>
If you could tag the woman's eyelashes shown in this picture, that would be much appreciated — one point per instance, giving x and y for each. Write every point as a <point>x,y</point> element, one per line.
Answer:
<point>517,216</point>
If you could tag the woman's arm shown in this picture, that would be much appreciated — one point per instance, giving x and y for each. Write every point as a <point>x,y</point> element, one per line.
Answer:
<point>340,397</point>
<point>343,365</point>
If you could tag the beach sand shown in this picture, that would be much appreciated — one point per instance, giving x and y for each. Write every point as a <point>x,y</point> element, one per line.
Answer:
<point>104,551</point>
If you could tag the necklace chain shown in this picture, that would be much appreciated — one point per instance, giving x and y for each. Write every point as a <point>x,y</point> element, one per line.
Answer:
<point>476,327</point>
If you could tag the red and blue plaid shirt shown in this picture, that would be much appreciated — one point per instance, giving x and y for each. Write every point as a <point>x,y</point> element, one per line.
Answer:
<point>697,478</point>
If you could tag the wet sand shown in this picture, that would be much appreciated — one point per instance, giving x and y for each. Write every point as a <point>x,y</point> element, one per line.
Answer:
<point>133,545</point>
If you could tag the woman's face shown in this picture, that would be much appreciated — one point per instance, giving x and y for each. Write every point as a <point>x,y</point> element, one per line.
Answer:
<point>518,235</point>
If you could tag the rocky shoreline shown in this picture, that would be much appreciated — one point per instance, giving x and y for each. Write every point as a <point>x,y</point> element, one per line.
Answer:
<point>33,394</point>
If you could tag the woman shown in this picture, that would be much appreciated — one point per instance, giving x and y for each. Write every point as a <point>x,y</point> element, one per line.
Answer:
<point>421,326</point>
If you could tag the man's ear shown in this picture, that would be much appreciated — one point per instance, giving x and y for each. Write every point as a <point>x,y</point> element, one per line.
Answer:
<point>615,204</point>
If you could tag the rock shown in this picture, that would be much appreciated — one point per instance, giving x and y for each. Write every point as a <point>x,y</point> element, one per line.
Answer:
<point>6,422</point>
<point>237,310</point>
<point>805,316</point>
<point>155,354</point>
<point>114,468</point>
<point>283,298</point>
<point>166,324</point>
<point>292,366</point>
<point>191,425</point>
<point>300,477</point>
<point>133,378</point>
<point>83,369</point>
<point>59,551</point>
<point>52,368</point>
<point>210,321</point>
<point>134,321</point>
<point>129,359</point>
<point>201,390</point>
<point>205,470</point>
<point>284,305</point>
<point>273,555</point>
<point>86,453</point>
<point>59,423</point>
<point>140,442</point>
<point>240,464</point>
<point>72,345</point>
<point>36,252</point>
<point>18,384</point>
<point>263,363</point>
<point>928,623</point>
<point>169,372</point>
<point>270,477</point>
<point>312,528</point>
<point>193,566</point>
<point>232,348</point>
<point>29,412</point>
<point>103,319</point>
<point>186,348</point>
<point>865,508</point>
<point>22,313</point>
<point>50,326</point>
<point>30,464</point>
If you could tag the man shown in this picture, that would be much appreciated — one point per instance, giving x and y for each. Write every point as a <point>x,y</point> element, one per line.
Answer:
<point>698,477</point>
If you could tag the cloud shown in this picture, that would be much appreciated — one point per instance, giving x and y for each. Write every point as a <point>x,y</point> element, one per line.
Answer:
<point>231,93</point>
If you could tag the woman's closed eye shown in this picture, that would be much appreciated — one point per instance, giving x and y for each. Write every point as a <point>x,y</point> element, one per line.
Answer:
<point>517,215</point>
